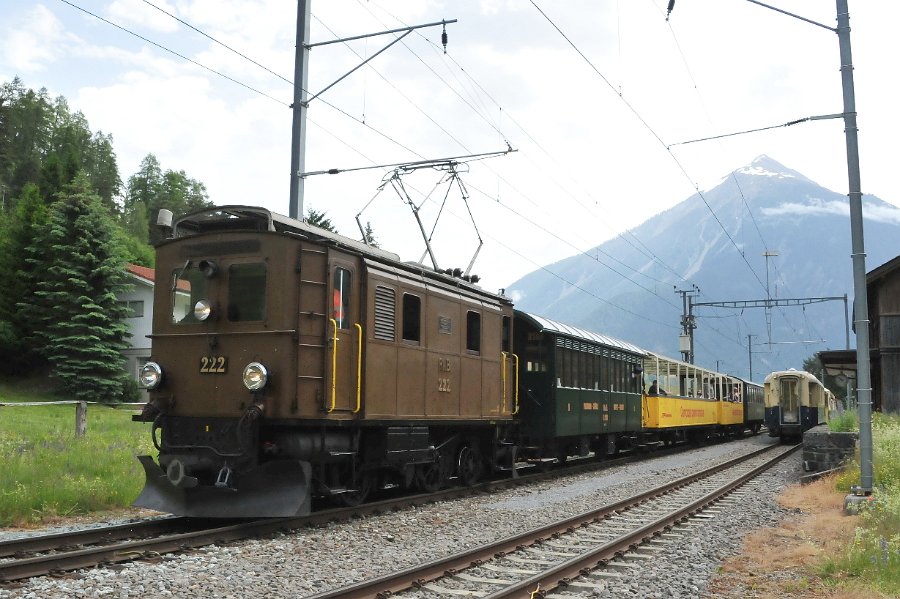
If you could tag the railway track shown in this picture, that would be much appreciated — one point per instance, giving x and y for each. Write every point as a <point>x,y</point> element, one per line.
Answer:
<point>62,552</point>
<point>576,553</point>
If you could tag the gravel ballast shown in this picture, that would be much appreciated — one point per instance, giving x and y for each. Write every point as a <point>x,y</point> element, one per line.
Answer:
<point>313,560</point>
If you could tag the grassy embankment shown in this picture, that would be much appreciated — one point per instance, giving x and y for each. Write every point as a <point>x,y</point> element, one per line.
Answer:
<point>872,559</point>
<point>47,472</point>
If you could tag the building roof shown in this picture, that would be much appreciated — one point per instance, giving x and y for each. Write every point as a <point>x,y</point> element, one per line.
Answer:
<point>883,270</point>
<point>142,273</point>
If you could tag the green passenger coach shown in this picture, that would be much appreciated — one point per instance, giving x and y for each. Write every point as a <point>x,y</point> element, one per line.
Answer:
<point>580,392</point>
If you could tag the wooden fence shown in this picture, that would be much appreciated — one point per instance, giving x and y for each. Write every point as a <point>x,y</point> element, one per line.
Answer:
<point>80,409</point>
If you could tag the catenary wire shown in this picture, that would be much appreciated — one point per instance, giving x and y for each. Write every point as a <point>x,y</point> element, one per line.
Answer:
<point>646,251</point>
<point>651,131</point>
<point>274,99</point>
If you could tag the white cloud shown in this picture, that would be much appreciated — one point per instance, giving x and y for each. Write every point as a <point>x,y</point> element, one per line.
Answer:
<point>880,213</point>
<point>34,41</point>
<point>129,13</point>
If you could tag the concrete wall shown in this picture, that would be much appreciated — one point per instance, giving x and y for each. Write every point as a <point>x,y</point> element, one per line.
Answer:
<point>825,450</point>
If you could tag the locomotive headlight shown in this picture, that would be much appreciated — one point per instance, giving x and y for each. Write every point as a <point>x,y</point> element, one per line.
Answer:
<point>151,375</point>
<point>202,309</point>
<point>255,376</point>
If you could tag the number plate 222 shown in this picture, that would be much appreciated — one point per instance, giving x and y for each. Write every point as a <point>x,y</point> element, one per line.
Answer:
<point>213,365</point>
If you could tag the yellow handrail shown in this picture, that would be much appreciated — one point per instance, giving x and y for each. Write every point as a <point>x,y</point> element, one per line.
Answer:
<point>358,368</point>
<point>516,411</point>
<point>503,378</point>
<point>334,367</point>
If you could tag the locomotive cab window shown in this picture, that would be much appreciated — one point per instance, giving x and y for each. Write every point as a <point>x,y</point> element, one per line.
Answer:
<point>189,286</point>
<point>506,334</point>
<point>341,313</point>
<point>412,318</point>
<point>246,292</point>
<point>473,331</point>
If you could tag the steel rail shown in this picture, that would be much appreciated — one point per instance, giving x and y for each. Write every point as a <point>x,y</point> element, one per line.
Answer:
<point>559,576</point>
<point>66,559</point>
<point>90,536</point>
<point>417,576</point>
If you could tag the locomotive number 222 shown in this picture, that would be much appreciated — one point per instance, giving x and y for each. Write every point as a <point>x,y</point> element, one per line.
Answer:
<point>213,364</point>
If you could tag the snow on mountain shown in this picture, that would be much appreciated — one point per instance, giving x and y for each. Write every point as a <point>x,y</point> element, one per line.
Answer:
<point>715,240</point>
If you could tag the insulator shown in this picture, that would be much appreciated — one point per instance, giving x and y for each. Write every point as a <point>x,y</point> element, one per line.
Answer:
<point>444,36</point>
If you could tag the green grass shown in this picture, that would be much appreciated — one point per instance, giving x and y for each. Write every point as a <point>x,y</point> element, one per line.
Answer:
<point>873,557</point>
<point>843,422</point>
<point>49,472</point>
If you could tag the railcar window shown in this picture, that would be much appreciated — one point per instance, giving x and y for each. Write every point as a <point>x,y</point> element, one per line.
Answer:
<point>605,382</point>
<point>189,285</point>
<point>246,292</point>
<point>535,354</point>
<point>562,367</point>
<point>341,313</point>
<point>412,318</point>
<point>505,340</point>
<point>473,331</point>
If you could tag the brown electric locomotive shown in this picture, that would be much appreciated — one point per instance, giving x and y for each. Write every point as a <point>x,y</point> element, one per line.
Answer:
<point>290,363</point>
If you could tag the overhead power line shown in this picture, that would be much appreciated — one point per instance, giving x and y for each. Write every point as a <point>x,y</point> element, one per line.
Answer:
<point>653,133</point>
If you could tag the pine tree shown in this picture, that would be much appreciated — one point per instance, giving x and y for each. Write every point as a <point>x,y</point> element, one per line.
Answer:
<point>369,236</point>
<point>79,323</point>
<point>320,219</point>
<point>18,279</point>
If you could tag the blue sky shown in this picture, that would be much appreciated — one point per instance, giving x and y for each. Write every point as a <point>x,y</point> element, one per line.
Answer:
<point>592,138</point>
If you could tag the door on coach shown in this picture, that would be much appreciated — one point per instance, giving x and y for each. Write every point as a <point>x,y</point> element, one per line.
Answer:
<point>344,334</point>
<point>790,400</point>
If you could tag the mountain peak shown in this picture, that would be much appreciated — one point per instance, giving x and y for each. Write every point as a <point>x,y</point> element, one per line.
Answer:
<point>763,166</point>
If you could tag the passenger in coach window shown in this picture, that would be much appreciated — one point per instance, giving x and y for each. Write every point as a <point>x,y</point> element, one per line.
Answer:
<point>654,388</point>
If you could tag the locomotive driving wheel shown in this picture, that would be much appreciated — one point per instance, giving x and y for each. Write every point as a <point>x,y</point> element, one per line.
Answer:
<point>361,484</point>
<point>468,465</point>
<point>429,477</point>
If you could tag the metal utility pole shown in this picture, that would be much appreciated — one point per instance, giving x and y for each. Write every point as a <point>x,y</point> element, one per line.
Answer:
<point>857,242</point>
<point>861,315</point>
<point>688,324</point>
<point>768,254</point>
<point>301,99</point>
<point>750,354</point>
<point>300,105</point>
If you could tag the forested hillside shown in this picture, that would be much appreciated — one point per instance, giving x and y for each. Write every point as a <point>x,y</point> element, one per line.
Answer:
<point>68,224</point>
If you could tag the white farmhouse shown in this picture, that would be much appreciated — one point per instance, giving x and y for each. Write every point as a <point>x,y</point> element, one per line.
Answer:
<point>139,301</point>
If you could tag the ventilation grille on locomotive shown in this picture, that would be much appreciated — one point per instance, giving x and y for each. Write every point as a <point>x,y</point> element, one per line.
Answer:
<point>385,308</point>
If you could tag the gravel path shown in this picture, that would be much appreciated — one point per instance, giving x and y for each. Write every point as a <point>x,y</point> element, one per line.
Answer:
<point>309,561</point>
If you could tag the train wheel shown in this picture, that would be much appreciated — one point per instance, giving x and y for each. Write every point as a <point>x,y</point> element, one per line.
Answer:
<point>468,465</point>
<point>362,485</point>
<point>429,477</point>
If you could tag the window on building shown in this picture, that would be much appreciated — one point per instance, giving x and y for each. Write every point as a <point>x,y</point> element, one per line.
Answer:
<point>133,308</point>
